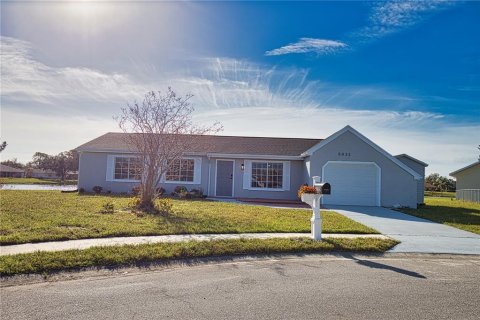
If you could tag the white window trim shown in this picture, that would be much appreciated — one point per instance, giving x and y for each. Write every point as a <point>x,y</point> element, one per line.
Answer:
<point>247,176</point>
<point>197,172</point>
<point>111,159</point>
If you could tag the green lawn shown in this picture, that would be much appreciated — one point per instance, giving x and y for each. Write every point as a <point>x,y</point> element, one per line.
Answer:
<point>34,216</point>
<point>34,181</point>
<point>456,213</point>
<point>445,194</point>
<point>44,262</point>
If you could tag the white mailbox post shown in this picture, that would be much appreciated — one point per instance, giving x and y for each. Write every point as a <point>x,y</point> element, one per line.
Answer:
<point>313,199</point>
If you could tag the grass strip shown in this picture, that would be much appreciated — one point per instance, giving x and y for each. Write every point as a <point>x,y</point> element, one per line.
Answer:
<point>127,255</point>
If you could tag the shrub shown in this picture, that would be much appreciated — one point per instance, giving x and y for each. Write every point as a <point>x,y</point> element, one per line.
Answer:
<point>179,189</point>
<point>136,190</point>
<point>164,206</point>
<point>97,189</point>
<point>81,191</point>
<point>196,193</point>
<point>184,194</point>
<point>134,202</point>
<point>108,207</point>
<point>181,192</point>
<point>160,191</point>
<point>306,189</point>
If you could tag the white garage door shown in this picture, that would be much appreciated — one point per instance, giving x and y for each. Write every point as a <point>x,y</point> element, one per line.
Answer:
<point>353,183</point>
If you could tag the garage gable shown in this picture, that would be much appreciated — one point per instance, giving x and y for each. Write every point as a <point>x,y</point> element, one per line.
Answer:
<point>387,155</point>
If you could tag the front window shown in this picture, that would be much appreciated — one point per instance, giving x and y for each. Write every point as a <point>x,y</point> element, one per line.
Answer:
<point>181,170</point>
<point>267,175</point>
<point>127,168</point>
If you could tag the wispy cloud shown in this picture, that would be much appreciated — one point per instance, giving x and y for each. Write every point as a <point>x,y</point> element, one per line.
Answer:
<point>26,79</point>
<point>389,17</point>
<point>305,45</point>
<point>386,17</point>
<point>39,101</point>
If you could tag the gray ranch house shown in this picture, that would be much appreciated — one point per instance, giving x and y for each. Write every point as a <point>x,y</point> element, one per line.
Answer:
<point>359,171</point>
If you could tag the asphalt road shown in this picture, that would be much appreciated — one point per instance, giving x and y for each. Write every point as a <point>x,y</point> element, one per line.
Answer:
<point>310,287</point>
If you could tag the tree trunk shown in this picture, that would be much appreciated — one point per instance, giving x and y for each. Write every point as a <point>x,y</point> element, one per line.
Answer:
<point>147,191</point>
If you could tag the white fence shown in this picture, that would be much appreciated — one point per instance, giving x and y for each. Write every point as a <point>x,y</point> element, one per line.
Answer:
<point>468,195</point>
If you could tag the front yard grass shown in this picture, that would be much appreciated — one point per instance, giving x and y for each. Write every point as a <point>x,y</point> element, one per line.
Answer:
<point>456,213</point>
<point>114,256</point>
<point>35,181</point>
<point>36,216</point>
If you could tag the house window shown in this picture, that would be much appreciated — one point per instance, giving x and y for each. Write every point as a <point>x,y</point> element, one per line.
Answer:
<point>267,175</point>
<point>181,170</point>
<point>127,168</point>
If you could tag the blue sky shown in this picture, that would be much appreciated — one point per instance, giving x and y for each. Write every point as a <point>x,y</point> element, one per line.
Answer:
<point>406,74</point>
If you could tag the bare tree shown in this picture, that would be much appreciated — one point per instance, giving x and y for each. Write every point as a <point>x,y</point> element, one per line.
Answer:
<point>3,145</point>
<point>160,130</point>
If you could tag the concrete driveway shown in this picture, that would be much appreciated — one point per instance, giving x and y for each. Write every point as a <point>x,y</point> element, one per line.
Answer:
<point>416,234</point>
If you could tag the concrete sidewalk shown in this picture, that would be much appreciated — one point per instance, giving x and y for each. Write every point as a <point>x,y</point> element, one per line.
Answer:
<point>416,235</point>
<point>88,243</point>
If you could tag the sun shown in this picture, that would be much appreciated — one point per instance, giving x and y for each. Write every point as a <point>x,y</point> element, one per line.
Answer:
<point>86,8</point>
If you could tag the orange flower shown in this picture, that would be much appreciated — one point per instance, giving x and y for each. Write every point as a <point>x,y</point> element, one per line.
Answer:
<point>306,189</point>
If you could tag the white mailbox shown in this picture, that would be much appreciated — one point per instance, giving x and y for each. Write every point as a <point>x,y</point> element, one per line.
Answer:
<point>314,201</point>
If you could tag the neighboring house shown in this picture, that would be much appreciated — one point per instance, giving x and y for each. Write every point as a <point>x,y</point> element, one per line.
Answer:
<point>11,172</point>
<point>468,182</point>
<point>42,174</point>
<point>359,171</point>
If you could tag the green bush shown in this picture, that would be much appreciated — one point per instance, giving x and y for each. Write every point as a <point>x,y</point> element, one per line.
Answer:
<point>108,207</point>
<point>164,206</point>
<point>97,189</point>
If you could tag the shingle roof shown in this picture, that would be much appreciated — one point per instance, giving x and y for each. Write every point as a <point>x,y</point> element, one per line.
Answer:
<point>116,142</point>
<point>4,168</point>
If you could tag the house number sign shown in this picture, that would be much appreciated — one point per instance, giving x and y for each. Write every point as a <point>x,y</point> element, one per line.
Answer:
<point>344,154</point>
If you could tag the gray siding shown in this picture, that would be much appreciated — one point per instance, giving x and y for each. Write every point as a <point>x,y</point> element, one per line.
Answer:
<point>397,185</point>
<point>420,169</point>
<point>468,178</point>
<point>93,168</point>
<point>296,179</point>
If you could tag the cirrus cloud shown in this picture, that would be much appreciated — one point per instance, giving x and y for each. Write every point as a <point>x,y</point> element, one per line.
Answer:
<point>305,45</point>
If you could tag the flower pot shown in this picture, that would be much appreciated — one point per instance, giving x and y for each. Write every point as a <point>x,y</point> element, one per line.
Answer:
<point>309,197</point>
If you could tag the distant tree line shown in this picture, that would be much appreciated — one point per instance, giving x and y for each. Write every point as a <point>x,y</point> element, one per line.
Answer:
<point>436,182</point>
<point>61,164</point>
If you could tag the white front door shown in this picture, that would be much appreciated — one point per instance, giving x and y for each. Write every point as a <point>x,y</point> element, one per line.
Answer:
<point>353,183</point>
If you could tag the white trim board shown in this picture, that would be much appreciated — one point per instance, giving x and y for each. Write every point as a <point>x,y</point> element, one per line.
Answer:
<point>464,168</point>
<point>404,155</point>
<point>253,156</point>
<point>337,134</point>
